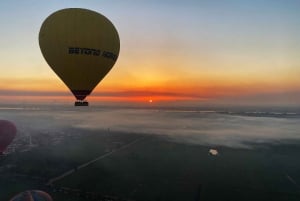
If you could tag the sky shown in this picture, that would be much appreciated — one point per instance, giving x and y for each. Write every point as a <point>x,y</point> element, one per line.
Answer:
<point>194,51</point>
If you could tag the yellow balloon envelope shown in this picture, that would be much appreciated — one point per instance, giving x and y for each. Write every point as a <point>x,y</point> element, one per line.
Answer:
<point>81,46</point>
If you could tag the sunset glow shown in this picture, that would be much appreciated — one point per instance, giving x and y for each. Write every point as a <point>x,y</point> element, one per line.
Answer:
<point>246,52</point>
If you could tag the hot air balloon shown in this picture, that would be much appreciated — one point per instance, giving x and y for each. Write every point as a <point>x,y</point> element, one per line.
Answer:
<point>7,134</point>
<point>32,195</point>
<point>81,46</point>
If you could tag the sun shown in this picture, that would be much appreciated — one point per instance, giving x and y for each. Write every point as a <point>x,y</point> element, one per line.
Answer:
<point>150,100</point>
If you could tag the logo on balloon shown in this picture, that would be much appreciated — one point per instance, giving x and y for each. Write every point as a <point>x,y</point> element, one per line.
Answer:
<point>87,51</point>
<point>92,52</point>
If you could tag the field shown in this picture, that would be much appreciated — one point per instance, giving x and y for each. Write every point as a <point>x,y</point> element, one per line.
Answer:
<point>153,168</point>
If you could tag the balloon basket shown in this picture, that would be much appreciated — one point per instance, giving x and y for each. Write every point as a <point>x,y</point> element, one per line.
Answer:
<point>81,103</point>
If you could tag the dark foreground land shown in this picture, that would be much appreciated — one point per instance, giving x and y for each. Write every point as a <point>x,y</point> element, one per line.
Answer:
<point>152,168</point>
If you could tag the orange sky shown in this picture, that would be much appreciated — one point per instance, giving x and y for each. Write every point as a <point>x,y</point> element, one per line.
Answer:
<point>202,91</point>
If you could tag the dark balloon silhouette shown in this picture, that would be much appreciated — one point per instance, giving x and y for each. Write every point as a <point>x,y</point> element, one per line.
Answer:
<point>81,46</point>
<point>32,195</point>
<point>7,134</point>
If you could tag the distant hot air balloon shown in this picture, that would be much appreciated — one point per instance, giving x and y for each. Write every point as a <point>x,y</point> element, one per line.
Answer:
<point>7,134</point>
<point>32,195</point>
<point>81,46</point>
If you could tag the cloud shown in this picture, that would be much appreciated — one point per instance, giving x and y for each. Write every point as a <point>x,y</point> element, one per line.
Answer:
<point>194,127</point>
<point>4,92</point>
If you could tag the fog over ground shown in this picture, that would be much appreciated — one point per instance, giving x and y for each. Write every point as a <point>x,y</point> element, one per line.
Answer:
<point>195,127</point>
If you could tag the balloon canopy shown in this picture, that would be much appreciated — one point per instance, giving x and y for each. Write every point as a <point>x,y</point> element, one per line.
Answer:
<point>32,195</point>
<point>7,134</point>
<point>81,46</point>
